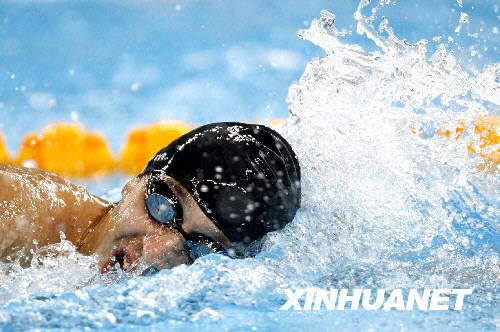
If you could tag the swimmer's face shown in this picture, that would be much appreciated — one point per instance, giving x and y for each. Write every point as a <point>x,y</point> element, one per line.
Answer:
<point>129,238</point>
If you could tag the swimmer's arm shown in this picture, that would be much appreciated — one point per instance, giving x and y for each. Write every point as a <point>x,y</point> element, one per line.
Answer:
<point>35,206</point>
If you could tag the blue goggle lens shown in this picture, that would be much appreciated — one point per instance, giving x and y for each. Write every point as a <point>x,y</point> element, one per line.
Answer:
<point>162,204</point>
<point>161,209</point>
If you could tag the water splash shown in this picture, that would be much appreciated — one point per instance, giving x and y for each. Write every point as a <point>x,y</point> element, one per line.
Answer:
<point>365,127</point>
<point>387,202</point>
<point>54,269</point>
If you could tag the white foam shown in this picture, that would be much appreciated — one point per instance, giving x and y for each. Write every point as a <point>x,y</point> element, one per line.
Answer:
<point>373,190</point>
<point>376,197</point>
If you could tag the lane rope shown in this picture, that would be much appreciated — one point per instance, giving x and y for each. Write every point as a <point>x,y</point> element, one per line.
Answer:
<point>70,150</point>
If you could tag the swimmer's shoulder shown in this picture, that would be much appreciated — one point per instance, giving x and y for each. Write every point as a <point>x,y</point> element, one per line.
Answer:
<point>10,180</point>
<point>11,173</point>
<point>17,180</point>
<point>8,174</point>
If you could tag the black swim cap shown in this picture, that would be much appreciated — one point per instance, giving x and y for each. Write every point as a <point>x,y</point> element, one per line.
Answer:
<point>245,177</point>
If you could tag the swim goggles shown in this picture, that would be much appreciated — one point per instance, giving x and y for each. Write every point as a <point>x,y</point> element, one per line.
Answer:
<point>164,207</point>
<point>162,204</point>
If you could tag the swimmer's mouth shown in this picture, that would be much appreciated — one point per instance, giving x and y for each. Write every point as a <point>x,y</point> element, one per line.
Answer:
<point>121,259</point>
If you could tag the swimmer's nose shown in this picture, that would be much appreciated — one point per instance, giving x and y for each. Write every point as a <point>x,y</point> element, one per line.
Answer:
<point>165,251</point>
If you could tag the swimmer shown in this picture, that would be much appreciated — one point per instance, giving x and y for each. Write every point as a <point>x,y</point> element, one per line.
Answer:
<point>224,184</point>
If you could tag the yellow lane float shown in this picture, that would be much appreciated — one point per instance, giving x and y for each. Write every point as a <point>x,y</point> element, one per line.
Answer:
<point>144,142</point>
<point>487,130</point>
<point>67,149</point>
<point>4,154</point>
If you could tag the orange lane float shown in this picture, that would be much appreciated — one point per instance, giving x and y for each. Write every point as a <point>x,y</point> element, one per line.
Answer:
<point>456,132</point>
<point>4,154</point>
<point>487,130</point>
<point>144,142</point>
<point>67,149</point>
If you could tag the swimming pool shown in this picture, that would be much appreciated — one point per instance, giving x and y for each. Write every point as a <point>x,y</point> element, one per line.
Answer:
<point>388,202</point>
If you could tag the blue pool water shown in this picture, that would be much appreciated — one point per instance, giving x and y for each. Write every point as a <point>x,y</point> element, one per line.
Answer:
<point>115,64</point>
<point>383,207</point>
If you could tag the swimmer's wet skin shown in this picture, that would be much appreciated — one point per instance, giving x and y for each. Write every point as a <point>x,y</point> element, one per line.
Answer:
<point>223,184</point>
